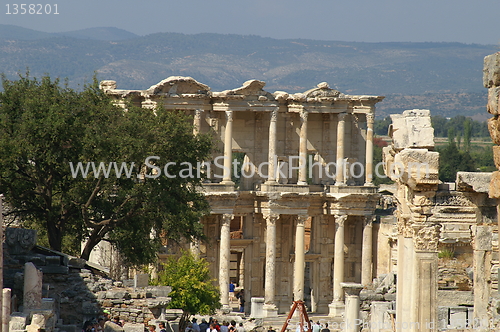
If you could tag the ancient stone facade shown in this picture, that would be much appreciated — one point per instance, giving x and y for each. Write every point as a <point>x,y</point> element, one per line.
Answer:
<point>296,226</point>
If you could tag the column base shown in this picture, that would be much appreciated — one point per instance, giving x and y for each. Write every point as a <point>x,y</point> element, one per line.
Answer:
<point>337,309</point>
<point>225,309</point>
<point>270,310</point>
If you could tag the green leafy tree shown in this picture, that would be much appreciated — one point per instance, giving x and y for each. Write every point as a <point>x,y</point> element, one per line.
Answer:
<point>47,129</point>
<point>452,160</point>
<point>193,290</point>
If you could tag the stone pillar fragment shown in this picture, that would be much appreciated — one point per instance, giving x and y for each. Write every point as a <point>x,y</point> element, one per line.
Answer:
<point>272,158</point>
<point>224,257</point>
<point>352,321</point>
<point>228,149</point>
<point>6,297</point>
<point>32,287</point>
<point>303,149</point>
<point>367,252</point>
<point>270,308</point>
<point>197,122</point>
<point>337,305</point>
<point>482,245</point>
<point>340,179</point>
<point>369,150</point>
<point>298,273</point>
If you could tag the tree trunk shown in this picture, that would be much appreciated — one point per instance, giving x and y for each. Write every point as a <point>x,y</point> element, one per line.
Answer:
<point>54,234</point>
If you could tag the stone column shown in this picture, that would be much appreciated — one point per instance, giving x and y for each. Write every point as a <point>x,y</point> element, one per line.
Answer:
<point>272,158</point>
<point>225,252</point>
<point>2,316</point>
<point>241,281</point>
<point>6,297</point>
<point>340,180</point>
<point>299,267</point>
<point>369,150</point>
<point>32,287</point>
<point>404,281</point>
<point>337,305</point>
<point>303,149</point>
<point>481,240</point>
<point>270,280</point>
<point>197,122</point>
<point>367,252</point>
<point>352,322</point>
<point>228,149</point>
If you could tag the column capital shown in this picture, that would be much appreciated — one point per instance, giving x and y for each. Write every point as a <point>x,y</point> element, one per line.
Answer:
<point>271,218</point>
<point>370,117</point>
<point>197,113</point>
<point>227,217</point>
<point>340,219</point>
<point>303,115</point>
<point>274,115</point>
<point>351,288</point>
<point>369,220</point>
<point>341,116</point>
<point>301,218</point>
<point>426,236</point>
<point>229,115</point>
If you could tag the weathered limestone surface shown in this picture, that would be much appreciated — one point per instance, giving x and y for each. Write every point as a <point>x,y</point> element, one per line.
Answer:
<point>491,70</point>
<point>473,181</point>
<point>6,304</point>
<point>412,129</point>
<point>32,287</point>
<point>495,185</point>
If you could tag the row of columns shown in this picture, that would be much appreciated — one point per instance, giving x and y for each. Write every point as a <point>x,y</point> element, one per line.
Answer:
<point>270,308</point>
<point>302,179</point>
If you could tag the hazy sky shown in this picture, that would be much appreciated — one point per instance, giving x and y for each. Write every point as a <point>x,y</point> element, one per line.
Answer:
<point>467,21</point>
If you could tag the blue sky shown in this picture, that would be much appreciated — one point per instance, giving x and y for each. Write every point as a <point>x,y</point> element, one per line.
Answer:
<point>467,21</point>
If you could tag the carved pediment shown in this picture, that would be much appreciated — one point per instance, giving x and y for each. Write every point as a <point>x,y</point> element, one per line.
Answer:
<point>323,90</point>
<point>249,88</point>
<point>178,85</point>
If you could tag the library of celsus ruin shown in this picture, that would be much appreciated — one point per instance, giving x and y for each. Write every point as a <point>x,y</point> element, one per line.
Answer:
<point>292,226</point>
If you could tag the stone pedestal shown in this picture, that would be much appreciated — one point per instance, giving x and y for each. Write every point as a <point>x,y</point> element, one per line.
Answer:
<point>380,320</point>
<point>257,307</point>
<point>352,321</point>
<point>32,287</point>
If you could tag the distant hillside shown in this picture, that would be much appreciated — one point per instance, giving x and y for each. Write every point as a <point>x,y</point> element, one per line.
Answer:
<point>447,77</point>
<point>100,34</point>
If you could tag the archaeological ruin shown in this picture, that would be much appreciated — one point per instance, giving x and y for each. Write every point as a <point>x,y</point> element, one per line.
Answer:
<point>295,215</point>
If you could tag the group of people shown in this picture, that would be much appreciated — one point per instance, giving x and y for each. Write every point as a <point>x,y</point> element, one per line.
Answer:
<point>213,326</point>
<point>98,324</point>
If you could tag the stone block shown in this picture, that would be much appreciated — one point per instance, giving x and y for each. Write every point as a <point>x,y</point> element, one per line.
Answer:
<point>112,327</point>
<point>458,318</point>
<point>133,327</point>
<point>494,128</point>
<point>473,181</point>
<point>55,269</point>
<point>380,319</point>
<point>159,291</point>
<point>496,156</point>
<point>257,307</point>
<point>416,167</point>
<point>117,294</point>
<point>76,262</point>
<point>20,241</point>
<point>53,260</point>
<point>141,280</point>
<point>495,185</point>
<point>493,100</point>
<point>412,129</point>
<point>491,70</point>
<point>18,321</point>
<point>482,237</point>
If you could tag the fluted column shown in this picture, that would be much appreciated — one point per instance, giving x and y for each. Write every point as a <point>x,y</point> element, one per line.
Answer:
<point>197,122</point>
<point>369,150</point>
<point>298,273</point>
<point>303,149</point>
<point>340,180</point>
<point>272,159</point>
<point>337,305</point>
<point>270,281</point>
<point>225,252</point>
<point>228,148</point>
<point>367,252</point>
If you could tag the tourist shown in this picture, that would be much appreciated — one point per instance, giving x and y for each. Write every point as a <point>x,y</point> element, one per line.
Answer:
<point>325,329</point>
<point>232,286</point>
<point>241,298</point>
<point>151,328</point>
<point>204,325</point>
<point>270,329</point>
<point>196,327</point>
<point>316,327</point>
<point>224,327</point>
<point>241,328</point>
<point>162,327</point>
